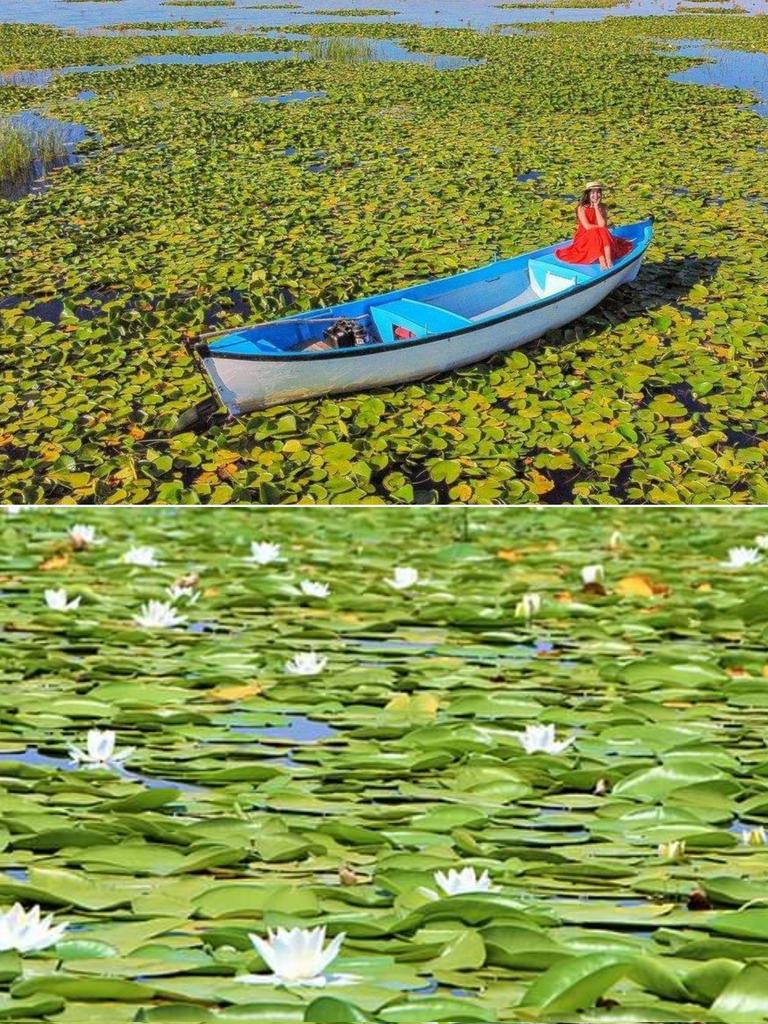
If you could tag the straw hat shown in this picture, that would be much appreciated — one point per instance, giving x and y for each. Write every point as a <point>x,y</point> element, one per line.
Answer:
<point>593,184</point>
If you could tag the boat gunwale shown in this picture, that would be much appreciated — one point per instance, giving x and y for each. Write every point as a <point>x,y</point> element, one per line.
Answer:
<point>477,325</point>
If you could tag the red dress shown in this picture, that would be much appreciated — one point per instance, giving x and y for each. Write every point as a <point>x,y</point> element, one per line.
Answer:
<point>589,244</point>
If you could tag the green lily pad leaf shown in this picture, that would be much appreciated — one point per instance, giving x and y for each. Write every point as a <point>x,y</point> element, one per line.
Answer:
<point>83,989</point>
<point>33,1008</point>
<point>743,1000</point>
<point>327,1010</point>
<point>576,983</point>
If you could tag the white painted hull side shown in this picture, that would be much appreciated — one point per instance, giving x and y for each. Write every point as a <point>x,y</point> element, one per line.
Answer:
<point>247,384</point>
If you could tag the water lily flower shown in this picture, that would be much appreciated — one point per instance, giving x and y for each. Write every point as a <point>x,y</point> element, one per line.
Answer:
<point>296,957</point>
<point>762,541</point>
<point>311,589</point>
<point>26,932</point>
<point>101,751</point>
<point>672,851</point>
<point>739,558</point>
<point>144,556</point>
<point>541,739</point>
<point>13,510</point>
<point>615,540</point>
<point>592,574</point>
<point>56,600</point>
<point>754,836</point>
<point>187,594</point>
<point>306,663</point>
<point>456,883</point>
<point>81,536</point>
<point>158,615</point>
<point>528,606</point>
<point>262,552</point>
<point>403,577</point>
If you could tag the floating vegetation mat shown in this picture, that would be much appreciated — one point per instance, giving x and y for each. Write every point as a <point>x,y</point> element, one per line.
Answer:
<point>210,729</point>
<point>203,208</point>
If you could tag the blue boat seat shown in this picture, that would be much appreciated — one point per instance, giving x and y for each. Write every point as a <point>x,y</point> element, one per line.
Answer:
<point>413,319</point>
<point>246,344</point>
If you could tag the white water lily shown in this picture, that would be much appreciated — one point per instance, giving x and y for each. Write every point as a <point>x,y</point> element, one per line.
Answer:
<point>306,663</point>
<point>263,553</point>
<point>144,556</point>
<point>528,606</point>
<point>740,558</point>
<point>13,510</point>
<point>311,589</point>
<point>456,883</point>
<point>403,577</point>
<point>56,600</point>
<point>158,615</point>
<point>296,957</point>
<point>672,851</point>
<point>541,739</point>
<point>615,540</point>
<point>186,594</point>
<point>592,574</point>
<point>26,931</point>
<point>754,836</point>
<point>100,752</point>
<point>81,536</point>
<point>762,541</point>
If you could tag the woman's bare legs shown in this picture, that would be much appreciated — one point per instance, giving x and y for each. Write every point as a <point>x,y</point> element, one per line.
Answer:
<point>606,261</point>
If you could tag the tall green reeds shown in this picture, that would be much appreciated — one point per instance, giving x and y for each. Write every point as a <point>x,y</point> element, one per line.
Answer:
<point>340,50</point>
<point>24,147</point>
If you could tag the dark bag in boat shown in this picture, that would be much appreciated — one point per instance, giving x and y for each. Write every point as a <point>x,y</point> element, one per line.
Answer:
<point>345,333</point>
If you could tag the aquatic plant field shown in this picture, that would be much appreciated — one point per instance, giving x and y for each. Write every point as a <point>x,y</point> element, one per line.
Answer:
<point>518,774</point>
<point>199,205</point>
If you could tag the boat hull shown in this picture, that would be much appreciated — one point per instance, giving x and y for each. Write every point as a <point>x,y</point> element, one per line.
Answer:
<point>244,384</point>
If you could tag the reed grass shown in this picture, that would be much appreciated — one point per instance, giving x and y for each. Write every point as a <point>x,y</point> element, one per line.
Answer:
<point>23,147</point>
<point>340,50</point>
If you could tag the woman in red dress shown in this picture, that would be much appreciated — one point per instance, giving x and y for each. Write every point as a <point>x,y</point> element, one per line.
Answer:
<point>593,241</point>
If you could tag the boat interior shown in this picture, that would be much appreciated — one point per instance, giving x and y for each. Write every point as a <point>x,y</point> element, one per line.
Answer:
<point>438,307</point>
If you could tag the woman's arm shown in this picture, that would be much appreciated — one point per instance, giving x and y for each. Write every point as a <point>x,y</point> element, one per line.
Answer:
<point>601,215</point>
<point>581,213</point>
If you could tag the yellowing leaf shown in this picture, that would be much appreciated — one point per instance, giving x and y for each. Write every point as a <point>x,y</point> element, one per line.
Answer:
<point>54,562</point>
<point>418,705</point>
<point>427,703</point>
<point>640,585</point>
<point>228,693</point>
<point>634,586</point>
<point>509,555</point>
<point>400,702</point>
<point>541,484</point>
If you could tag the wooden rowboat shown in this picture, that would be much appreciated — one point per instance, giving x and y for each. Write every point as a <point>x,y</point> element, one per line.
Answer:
<point>412,333</point>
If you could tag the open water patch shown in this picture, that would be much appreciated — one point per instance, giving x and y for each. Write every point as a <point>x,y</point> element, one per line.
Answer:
<point>32,756</point>
<point>726,69</point>
<point>376,50</point>
<point>295,729</point>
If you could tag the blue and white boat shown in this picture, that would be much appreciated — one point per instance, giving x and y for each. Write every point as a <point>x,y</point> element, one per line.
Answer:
<point>412,333</point>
